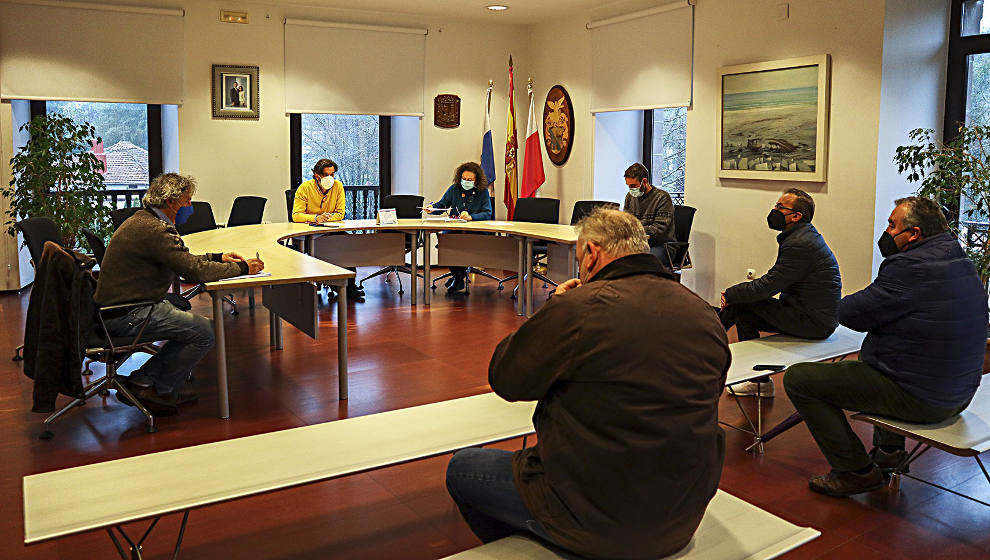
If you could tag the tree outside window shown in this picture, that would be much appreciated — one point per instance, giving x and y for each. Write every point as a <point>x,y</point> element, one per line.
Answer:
<point>669,150</point>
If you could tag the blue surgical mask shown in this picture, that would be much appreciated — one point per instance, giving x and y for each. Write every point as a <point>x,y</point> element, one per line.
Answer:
<point>182,216</point>
<point>467,185</point>
<point>635,192</point>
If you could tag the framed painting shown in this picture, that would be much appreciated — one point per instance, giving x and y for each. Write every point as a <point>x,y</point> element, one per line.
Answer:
<point>773,120</point>
<point>558,125</point>
<point>235,92</point>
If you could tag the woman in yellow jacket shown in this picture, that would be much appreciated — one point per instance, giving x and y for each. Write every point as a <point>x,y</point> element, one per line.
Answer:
<point>321,199</point>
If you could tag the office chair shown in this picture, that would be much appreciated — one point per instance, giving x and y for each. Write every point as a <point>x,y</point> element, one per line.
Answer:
<point>471,269</point>
<point>676,252</point>
<point>540,211</point>
<point>96,244</point>
<point>584,207</point>
<point>290,199</point>
<point>407,206</point>
<point>120,215</point>
<point>246,210</point>
<point>201,220</point>
<point>36,232</point>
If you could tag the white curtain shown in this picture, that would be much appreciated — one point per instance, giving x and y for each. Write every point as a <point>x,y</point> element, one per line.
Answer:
<point>359,70</point>
<point>643,63</point>
<point>73,53</point>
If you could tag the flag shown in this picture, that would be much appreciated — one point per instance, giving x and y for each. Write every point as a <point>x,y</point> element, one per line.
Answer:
<point>487,152</point>
<point>511,181</point>
<point>533,176</point>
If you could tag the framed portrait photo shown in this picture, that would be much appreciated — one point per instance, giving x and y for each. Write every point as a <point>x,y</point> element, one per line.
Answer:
<point>773,120</point>
<point>235,92</point>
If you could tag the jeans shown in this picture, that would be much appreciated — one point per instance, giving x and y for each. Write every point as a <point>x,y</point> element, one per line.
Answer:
<point>769,315</point>
<point>821,391</point>
<point>481,484</point>
<point>188,338</point>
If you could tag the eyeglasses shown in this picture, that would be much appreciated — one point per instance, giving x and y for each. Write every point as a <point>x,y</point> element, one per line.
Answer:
<point>780,206</point>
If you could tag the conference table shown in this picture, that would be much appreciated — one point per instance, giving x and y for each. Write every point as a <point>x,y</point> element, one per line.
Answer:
<point>290,286</point>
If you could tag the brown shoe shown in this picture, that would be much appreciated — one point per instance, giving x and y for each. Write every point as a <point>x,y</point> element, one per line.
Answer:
<point>186,396</point>
<point>889,461</point>
<point>150,399</point>
<point>841,484</point>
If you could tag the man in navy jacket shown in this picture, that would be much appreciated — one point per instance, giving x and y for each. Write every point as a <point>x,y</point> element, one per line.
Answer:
<point>925,317</point>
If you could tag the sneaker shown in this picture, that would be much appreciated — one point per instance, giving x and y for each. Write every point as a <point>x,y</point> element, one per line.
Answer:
<point>842,484</point>
<point>156,404</point>
<point>753,389</point>
<point>889,461</point>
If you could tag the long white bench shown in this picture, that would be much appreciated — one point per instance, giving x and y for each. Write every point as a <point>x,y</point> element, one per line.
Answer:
<point>731,529</point>
<point>783,351</point>
<point>964,435</point>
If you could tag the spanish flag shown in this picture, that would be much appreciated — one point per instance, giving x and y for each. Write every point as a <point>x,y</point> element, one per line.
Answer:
<point>511,144</point>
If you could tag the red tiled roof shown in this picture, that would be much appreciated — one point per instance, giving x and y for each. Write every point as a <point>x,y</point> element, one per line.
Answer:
<point>127,164</point>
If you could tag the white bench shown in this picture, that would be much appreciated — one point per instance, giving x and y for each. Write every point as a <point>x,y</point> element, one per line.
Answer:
<point>784,351</point>
<point>731,529</point>
<point>964,435</point>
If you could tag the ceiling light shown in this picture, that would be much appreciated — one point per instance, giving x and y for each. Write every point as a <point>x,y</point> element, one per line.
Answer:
<point>497,8</point>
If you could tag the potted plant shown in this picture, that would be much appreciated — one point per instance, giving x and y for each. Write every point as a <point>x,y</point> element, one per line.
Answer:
<point>56,175</point>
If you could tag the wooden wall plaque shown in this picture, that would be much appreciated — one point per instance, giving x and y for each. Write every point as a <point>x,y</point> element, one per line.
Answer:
<point>558,125</point>
<point>447,111</point>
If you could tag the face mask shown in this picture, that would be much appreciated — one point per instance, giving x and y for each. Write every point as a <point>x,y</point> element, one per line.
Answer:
<point>327,182</point>
<point>182,216</point>
<point>887,245</point>
<point>467,185</point>
<point>776,220</point>
<point>635,192</point>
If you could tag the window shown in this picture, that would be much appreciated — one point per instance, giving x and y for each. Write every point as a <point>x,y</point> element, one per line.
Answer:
<point>358,144</point>
<point>666,136</point>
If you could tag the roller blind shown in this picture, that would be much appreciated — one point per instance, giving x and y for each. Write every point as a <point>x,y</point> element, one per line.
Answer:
<point>643,62</point>
<point>353,69</point>
<point>77,52</point>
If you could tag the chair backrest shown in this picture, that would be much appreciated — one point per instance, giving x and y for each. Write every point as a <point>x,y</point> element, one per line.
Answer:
<point>201,220</point>
<point>96,243</point>
<point>290,199</point>
<point>407,206</point>
<point>584,207</point>
<point>36,231</point>
<point>683,218</point>
<point>120,215</point>
<point>246,210</point>
<point>537,210</point>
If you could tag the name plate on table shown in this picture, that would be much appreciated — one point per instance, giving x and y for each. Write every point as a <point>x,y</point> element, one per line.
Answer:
<point>387,217</point>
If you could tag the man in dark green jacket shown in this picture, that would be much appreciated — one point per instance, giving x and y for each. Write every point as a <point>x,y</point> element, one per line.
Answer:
<point>805,274</point>
<point>627,367</point>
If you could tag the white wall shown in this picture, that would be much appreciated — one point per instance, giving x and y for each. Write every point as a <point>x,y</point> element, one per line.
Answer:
<point>912,92</point>
<point>618,144</point>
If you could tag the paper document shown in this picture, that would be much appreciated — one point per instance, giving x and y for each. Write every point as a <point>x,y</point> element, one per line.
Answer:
<point>498,223</point>
<point>443,219</point>
<point>243,276</point>
<point>324,224</point>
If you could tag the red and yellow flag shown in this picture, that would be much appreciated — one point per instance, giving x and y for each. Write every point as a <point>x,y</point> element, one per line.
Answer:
<point>511,145</point>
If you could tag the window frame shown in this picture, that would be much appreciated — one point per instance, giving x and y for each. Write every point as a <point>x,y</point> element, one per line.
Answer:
<point>384,153</point>
<point>647,159</point>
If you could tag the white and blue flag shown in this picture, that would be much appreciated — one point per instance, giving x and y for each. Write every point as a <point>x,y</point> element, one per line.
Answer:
<point>487,152</point>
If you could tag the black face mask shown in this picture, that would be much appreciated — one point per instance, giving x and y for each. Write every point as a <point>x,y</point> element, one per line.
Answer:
<point>887,245</point>
<point>776,220</point>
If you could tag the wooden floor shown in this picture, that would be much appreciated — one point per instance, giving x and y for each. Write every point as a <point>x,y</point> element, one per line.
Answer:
<point>401,358</point>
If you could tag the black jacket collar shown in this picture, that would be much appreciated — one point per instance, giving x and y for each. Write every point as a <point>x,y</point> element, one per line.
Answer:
<point>630,265</point>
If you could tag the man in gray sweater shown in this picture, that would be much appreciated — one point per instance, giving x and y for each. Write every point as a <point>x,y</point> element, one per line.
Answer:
<point>144,255</point>
<point>652,206</point>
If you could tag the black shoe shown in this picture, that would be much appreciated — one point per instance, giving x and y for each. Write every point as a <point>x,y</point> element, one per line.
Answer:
<point>842,484</point>
<point>355,295</point>
<point>889,461</point>
<point>457,287</point>
<point>186,396</point>
<point>449,282</point>
<point>156,404</point>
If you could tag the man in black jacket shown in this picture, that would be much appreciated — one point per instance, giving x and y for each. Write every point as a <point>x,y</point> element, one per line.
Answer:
<point>806,275</point>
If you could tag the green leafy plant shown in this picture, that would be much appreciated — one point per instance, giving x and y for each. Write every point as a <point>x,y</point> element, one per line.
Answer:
<point>955,174</point>
<point>55,175</point>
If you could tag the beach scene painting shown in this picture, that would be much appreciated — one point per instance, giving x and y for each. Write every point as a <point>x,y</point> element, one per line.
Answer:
<point>773,120</point>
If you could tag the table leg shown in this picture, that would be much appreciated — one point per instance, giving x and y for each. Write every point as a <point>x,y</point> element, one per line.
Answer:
<point>413,266</point>
<point>427,292</point>
<point>221,350</point>
<point>278,332</point>
<point>342,342</point>
<point>520,272</point>
<point>528,281</point>
<point>271,329</point>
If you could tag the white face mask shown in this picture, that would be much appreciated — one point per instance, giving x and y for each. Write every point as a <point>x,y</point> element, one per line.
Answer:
<point>327,182</point>
<point>635,192</point>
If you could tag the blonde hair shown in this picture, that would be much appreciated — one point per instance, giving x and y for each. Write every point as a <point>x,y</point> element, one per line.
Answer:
<point>168,187</point>
<point>618,233</point>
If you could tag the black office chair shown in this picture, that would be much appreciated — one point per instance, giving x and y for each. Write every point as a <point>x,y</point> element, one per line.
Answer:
<point>201,220</point>
<point>246,210</point>
<point>36,232</point>
<point>407,206</point>
<point>96,244</point>
<point>676,252</point>
<point>539,211</point>
<point>290,199</point>
<point>584,207</point>
<point>120,215</point>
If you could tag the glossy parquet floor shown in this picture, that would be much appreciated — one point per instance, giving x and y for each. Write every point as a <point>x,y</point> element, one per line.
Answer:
<point>401,358</point>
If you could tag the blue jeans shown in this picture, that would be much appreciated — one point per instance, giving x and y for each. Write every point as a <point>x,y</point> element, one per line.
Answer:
<point>481,484</point>
<point>188,338</point>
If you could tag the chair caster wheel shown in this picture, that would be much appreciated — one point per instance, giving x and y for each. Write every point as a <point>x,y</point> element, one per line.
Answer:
<point>47,434</point>
<point>18,359</point>
<point>235,313</point>
<point>500,288</point>
<point>151,429</point>
<point>434,288</point>
<point>401,292</point>
<point>104,393</point>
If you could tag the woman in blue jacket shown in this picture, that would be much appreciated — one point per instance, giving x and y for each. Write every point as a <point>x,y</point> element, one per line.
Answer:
<point>467,198</point>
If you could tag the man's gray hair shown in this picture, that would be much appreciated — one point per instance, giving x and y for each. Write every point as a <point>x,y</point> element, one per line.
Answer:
<point>924,214</point>
<point>618,233</point>
<point>168,187</point>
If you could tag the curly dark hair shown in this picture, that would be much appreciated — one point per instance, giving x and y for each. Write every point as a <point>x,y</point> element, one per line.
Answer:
<point>480,181</point>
